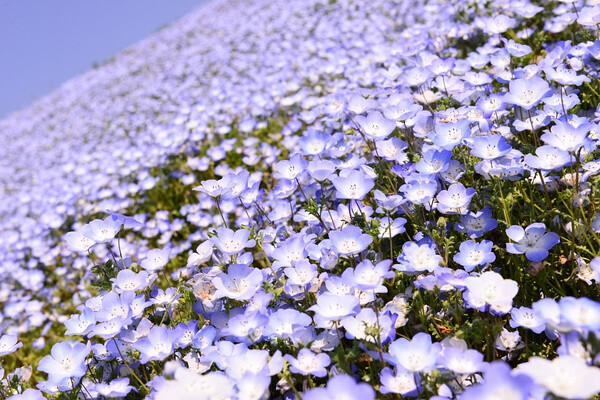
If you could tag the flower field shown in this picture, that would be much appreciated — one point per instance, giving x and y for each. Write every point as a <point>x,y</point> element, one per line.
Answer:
<point>313,199</point>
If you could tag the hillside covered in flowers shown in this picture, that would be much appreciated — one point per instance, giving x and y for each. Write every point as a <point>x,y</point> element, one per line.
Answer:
<point>313,199</point>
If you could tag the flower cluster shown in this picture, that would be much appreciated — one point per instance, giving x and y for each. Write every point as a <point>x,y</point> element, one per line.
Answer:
<point>313,200</point>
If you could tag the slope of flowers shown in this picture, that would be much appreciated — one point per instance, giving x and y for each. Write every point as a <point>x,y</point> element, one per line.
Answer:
<point>314,200</point>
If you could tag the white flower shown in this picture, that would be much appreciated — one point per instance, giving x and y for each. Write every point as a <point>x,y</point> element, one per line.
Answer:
<point>8,344</point>
<point>566,376</point>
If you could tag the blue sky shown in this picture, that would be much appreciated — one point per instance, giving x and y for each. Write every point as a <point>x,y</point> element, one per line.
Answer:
<point>45,42</point>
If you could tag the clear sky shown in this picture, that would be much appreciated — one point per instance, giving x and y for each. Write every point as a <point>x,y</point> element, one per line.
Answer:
<point>45,42</point>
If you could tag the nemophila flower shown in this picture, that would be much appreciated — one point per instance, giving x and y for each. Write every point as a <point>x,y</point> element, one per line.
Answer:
<point>472,254</point>
<point>358,104</point>
<point>590,169</point>
<point>494,104</point>
<point>375,126</point>
<point>566,137</point>
<point>565,76</point>
<point>537,121</point>
<point>186,333</point>
<point>392,149</point>
<point>28,394</point>
<point>450,134</point>
<point>252,194</point>
<point>349,240</point>
<point>290,250</point>
<point>490,291</point>
<point>346,212</point>
<point>187,384</point>
<point>284,190</point>
<point>330,307</point>
<point>164,297</point>
<point>211,187</point>
<point>156,259</point>
<point>387,204</point>
<point>159,344</point>
<point>128,280</point>
<point>527,72</point>
<point>594,49</point>
<point>589,16</point>
<point>284,322</point>
<point>253,362</point>
<point>548,158</point>
<point>405,170</point>
<point>203,253</point>
<point>416,355</point>
<point>497,24</point>
<point>499,382</point>
<point>115,306</point>
<point>556,104</point>
<point>527,318</point>
<point>101,230</point>
<point>418,258</point>
<point>417,76</point>
<point>309,363</point>
<point>341,387</point>
<point>334,105</point>
<point>533,241</point>
<point>582,313</point>
<point>320,170</point>
<point>108,329</point>
<point>420,191</point>
<point>454,172</point>
<point>477,78</point>
<point>549,310</point>
<point>115,388</point>
<point>441,66</point>
<point>290,169</point>
<point>352,184</point>
<point>340,285</point>
<point>391,227</point>
<point>234,184</point>
<point>77,241</point>
<point>475,224</point>
<point>232,242</point>
<point>9,344</point>
<point>367,276</point>
<point>301,274</point>
<point>253,387</point>
<point>434,161</point>
<point>527,92</point>
<point>128,222</point>
<point>575,344</point>
<point>240,282</point>
<point>462,361</point>
<point>490,147</point>
<point>508,167</point>
<point>66,361</point>
<point>402,111</point>
<point>248,325</point>
<point>80,324</point>
<point>516,49</point>
<point>204,337</point>
<point>588,273</point>
<point>508,341</point>
<point>374,327</point>
<point>455,200</point>
<point>314,142</point>
<point>566,376</point>
<point>528,10</point>
<point>399,381</point>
